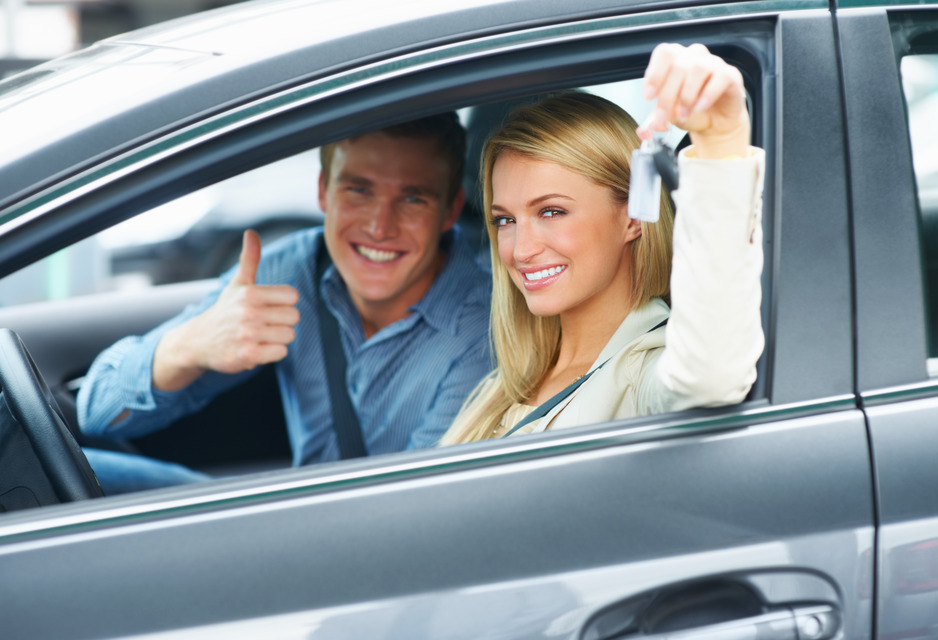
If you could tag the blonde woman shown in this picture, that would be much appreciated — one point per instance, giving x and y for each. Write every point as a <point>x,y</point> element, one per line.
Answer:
<point>582,291</point>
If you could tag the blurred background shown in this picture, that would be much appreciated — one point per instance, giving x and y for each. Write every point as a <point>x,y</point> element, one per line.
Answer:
<point>194,237</point>
<point>36,30</point>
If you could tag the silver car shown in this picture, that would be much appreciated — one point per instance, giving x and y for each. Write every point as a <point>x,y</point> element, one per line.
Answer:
<point>810,511</point>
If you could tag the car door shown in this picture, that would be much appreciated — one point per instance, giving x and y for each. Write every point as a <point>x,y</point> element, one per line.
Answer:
<point>893,148</point>
<point>757,517</point>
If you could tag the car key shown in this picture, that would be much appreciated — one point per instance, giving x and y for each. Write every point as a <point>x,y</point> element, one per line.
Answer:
<point>645,183</point>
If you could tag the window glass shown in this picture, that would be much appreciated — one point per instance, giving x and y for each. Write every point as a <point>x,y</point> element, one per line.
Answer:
<point>920,85</point>
<point>193,237</point>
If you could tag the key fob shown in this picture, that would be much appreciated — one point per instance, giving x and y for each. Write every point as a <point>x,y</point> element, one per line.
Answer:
<point>645,184</point>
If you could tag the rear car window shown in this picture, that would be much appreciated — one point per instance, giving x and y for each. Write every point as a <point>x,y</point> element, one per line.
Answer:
<point>920,86</point>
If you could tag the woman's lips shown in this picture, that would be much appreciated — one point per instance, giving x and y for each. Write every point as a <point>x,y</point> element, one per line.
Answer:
<point>535,278</point>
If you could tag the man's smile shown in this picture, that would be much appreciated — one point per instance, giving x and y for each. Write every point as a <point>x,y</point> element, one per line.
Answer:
<point>377,255</point>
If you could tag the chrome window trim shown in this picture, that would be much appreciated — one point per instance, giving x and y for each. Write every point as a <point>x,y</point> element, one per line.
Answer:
<point>903,393</point>
<point>150,153</point>
<point>464,458</point>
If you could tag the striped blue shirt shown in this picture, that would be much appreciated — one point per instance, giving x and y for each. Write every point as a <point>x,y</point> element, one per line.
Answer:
<point>406,382</point>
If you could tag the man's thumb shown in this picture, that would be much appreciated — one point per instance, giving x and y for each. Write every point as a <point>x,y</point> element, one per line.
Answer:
<point>250,256</point>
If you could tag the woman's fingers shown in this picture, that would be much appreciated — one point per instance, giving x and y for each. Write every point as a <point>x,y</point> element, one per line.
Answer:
<point>724,91</point>
<point>695,90</point>
<point>699,69</point>
<point>688,81</point>
<point>676,75</point>
<point>657,69</point>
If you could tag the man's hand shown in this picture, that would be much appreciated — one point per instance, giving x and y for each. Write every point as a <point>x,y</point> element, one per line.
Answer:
<point>700,93</point>
<point>249,325</point>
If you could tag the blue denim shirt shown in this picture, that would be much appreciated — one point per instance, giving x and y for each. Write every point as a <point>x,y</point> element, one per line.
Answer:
<point>406,382</point>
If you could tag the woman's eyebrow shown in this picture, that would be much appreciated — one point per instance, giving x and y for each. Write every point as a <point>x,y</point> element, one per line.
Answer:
<point>536,201</point>
<point>548,196</point>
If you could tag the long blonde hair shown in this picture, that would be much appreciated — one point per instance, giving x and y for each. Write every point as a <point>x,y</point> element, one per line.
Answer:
<point>592,137</point>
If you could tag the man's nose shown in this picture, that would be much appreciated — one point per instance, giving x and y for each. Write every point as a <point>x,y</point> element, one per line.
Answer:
<point>382,220</point>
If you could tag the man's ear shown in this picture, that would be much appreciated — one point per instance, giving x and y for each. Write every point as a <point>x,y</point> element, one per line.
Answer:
<point>322,191</point>
<point>451,215</point>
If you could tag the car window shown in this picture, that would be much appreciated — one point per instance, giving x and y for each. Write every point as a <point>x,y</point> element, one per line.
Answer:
<point>920,85</point>
<point>193,237</point>
<point>196,237</point>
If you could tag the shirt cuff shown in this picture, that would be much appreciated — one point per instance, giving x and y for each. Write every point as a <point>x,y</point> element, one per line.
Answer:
<point>135,374</point>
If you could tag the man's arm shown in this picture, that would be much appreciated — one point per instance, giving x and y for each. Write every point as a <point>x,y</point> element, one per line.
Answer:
<point>143,384</point>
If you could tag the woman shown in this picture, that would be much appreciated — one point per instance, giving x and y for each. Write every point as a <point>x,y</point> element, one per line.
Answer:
<point>581,289</point>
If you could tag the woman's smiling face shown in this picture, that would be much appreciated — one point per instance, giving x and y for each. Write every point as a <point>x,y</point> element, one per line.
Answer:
<point>562,237</point>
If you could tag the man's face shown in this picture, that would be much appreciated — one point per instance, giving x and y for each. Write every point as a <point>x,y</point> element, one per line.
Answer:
<point>385,208</point>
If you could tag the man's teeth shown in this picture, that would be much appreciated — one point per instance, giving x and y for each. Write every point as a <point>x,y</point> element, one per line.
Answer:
<point>546,273</point>
<point>376,255</point>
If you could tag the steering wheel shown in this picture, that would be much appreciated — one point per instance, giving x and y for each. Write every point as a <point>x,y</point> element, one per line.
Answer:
<point>38,414</point>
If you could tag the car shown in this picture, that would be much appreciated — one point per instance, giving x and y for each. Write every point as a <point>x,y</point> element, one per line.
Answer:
<point>807,511</point>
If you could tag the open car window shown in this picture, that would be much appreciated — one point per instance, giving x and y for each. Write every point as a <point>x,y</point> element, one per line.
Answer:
<point>129,276</point>
<point>920,87</point>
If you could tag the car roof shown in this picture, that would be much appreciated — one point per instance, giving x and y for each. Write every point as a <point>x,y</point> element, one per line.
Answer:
<point>62,116</point>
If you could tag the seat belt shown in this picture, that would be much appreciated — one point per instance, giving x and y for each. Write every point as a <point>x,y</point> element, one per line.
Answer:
<point>542,410</point>
<point>348,432</point>
<point>545,408</point>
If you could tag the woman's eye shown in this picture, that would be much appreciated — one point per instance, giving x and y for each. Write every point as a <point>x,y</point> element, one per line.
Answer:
<point>501,221</point>
<point>551,212</point>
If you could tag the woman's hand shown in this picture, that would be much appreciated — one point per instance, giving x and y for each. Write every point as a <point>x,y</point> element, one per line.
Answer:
<point>700,93</point>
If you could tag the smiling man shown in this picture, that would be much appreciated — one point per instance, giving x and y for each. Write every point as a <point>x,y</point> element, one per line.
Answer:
<point>410,301</point>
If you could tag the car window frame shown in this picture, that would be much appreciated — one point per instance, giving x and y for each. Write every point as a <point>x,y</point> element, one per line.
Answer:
<point>403,96</point>
<point>891,324</point>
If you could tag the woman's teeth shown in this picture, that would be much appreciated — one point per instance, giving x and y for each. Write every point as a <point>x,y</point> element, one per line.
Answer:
<point>545,273</point>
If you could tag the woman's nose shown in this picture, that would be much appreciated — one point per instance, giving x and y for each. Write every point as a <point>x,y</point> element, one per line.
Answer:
<point>527,241</point>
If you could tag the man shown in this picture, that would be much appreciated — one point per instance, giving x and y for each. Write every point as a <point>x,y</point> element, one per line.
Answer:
<point>411,303</point>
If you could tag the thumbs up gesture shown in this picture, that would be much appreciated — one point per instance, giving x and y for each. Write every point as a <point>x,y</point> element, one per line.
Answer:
<point>249,325</point>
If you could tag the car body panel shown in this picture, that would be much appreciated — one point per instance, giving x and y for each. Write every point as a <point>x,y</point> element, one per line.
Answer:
<point>690,506</point>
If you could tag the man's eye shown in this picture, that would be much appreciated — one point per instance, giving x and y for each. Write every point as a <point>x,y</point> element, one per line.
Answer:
<point>356,189</point>
<point>415,200</point>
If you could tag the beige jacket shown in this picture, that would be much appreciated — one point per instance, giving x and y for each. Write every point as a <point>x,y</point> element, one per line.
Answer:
<point>706,355</point>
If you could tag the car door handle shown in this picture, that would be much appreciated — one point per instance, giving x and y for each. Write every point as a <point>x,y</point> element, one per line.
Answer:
<point>818,622</point>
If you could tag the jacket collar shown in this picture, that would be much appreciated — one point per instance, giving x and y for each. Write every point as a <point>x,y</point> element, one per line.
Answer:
<point>634,327</point>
